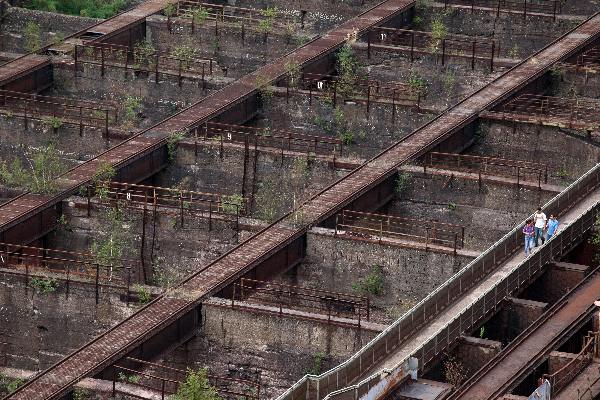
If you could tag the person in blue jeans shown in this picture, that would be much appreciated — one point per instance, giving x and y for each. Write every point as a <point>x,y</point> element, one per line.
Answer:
<point>529,232</point>
<point>552,226</point>
<point>539,219</point>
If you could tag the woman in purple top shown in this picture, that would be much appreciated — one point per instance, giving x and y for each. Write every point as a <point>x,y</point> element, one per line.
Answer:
<point>529,232</point>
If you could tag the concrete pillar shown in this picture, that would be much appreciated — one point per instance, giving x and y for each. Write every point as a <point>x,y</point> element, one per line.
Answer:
<point>559,359</point>
<point>517,315</point>
<point>475,352</point>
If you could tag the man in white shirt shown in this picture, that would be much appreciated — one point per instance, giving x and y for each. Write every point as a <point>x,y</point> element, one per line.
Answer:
<point>539,219</point>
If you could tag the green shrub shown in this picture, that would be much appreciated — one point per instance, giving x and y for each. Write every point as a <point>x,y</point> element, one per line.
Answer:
<point>232,204</point>
<point>317,366</point>
<point>196,387</point>
<point>33,37</point>
<point>172,140</point>
<point>372,283</point>
<point>85,8</point>
<point>44,285</point>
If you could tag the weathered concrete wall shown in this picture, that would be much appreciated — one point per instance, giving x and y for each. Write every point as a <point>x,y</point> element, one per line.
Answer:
<point>514,317</point>
<point>37,330</point>
<point>236,328</point>
<point>407,275</point>
<point>544,145</point>
<point>486,214</point>
<point>474,352</point>
<point>556,280</point>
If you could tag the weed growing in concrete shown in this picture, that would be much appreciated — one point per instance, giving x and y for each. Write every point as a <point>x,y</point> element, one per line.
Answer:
<point>372,283</point>
<point>317,366</point>
<point>101,178</point>
<point>452,206</point>
<point>265,90</point>
<point>44,285</point>
<point>33,37</point>
<point>233,204</point>
<point>131,106</point>
<point>80,394</point>
<point>112,240</point>
<point>9,384</point>
<point>186,53</point>
<point>557,74</point>
<point>196,387</point>
<point>514,51</point>
<point>347,67</point>
<point>416,83</point>
<point>455,372</point>
<point>123,377</point>
<point>482,332</point>
<point>40,177</point>
<point>144,296</point>
<point>561,173</point>
<point>439,31</point>
<point>293,72</point>
<point>63,224</point>
<point>448,83</point>
<point>402,183</point>
<point>52,122</point>
<point>269,201</point>
<point>199,14</point>
<point>170,9</point>
<point>172,140</point>
<point>143,53</point>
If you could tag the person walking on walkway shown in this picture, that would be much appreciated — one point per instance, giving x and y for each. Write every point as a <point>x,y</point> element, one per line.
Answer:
<point>552,226</point>
<point>540,224</point>
<point>529,232</point>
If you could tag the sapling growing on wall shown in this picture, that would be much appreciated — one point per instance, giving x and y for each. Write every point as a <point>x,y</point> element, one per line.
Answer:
<point>44,285</point>
<point>196,387</point>
<point>172,140</point>
<point>101,178</point>
<point>33,38</point>
<point>372,283</point>
<point>39,176</point>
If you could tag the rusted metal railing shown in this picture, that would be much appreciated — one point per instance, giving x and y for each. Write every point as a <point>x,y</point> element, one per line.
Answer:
<point>382,226</point>
<point>283,296</point>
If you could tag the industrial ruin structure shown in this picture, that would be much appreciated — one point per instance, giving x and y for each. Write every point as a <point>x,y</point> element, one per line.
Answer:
<point>306,200</point>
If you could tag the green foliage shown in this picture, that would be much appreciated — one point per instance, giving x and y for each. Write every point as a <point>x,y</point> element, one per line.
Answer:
<point>44,285</point>
<point>561,173</point>
<point>186,53</point>
<point>417,83</point>
<point>232,204</point>
<point>85,8</point>
<point>112,240</point>
<point>448,82</point>
<point>347,137</point>
<point>439,31</point>
<point>199,14</point>
<point>417,21</point>
<point>402,183</point>
<point>422,5</point>
<point>454,371</point>
<point>347,67</point>
<point>293,73</point>
<point>144,296</point>
<point>123,377</point>
<point>104,173</point>
<point>196,387</point>
<point>317,366</point>
<point>10,385</point>
<point>269,12</point>
<point>482,332</point>
<point>33,37</point>
<point>265,90</point>
<point>143,55</point>
<point>514,51</point>
<point>452,206</point>
<point>172,140</point>
<point>372,283</point>
<point>52,122</point>
<point>269,201</point>
<point>80,394</point>
<point>44,166</point>
<point>557,74</point>
<point>131,106</point>
<point>170,9</point>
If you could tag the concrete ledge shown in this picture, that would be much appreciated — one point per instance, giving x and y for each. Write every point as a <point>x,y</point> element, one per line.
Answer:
<point>527,303</point>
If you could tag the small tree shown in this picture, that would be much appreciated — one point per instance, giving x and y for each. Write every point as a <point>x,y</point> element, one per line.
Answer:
<point>196,387</point>
<point>439,31</point>
<point>104,173</point>
<point>347,66</point>
<point>109,246</point>
<point>172,141</point>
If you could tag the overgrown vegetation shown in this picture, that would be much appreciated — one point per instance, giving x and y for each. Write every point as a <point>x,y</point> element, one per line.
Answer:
<point>265,90</point>
<point>10,384</point>
<point>131,107</point>
<point>144,55</point>
<point>347,66</point>
<point>52,122</point>
<point>196,387</point>
<point>416,83</point>
<point>232,204</point>
<point>44,166</point>
<point>186,53</point>
<point>372,283</point>
<point>172,140</point>
<point>143,295</point>
<point>101,178</point>
<point>84,8</point>
<point>129,378</point>
<point>448,83</point>
<point>269,201</point>
<point>80,394</point>
<point>33,37</point>
<point>402,183</point>
<point>293,73</point>
<point>439,31</point>
<point>336,126</point>
<point>44,285</point>
<point>317,366</point>
<point>112,239</point>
